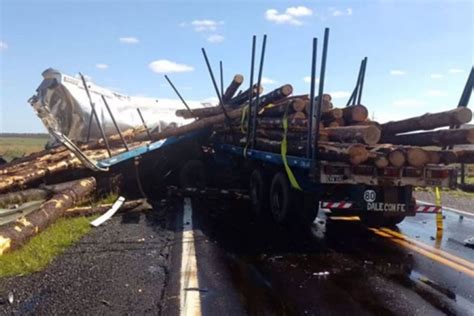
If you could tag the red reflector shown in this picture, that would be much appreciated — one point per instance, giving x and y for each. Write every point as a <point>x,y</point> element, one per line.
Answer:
<point>412,172</point>
<point>438,174</point>
<point>391,172</point>
<point>363,170</point>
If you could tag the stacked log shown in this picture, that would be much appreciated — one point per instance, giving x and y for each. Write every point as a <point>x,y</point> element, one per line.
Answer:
<point>385,144</point>
<point>14,234</point>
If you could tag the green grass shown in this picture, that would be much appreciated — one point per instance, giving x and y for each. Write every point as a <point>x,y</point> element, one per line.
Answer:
<point>41,250</point>
<point>13,146</point>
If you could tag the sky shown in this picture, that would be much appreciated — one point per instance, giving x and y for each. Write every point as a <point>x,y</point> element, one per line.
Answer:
<point>419,52</point>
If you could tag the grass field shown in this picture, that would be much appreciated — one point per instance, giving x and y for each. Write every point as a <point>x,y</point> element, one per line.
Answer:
<point>19,145</point>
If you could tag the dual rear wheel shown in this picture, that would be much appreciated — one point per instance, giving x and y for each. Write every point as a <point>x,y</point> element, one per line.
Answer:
<point>278,199</point>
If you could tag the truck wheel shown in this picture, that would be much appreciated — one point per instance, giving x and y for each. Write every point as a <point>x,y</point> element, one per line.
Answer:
<point>310,209</point>
<point>259,192</point>
<point>378,220</point>
<point>283,199</point>
<point>193,175</point>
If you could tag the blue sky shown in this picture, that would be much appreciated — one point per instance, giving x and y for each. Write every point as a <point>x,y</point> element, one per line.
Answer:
<point>419,52</point>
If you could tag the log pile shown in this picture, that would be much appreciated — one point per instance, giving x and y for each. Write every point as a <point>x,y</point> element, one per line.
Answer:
<point>346,134</point>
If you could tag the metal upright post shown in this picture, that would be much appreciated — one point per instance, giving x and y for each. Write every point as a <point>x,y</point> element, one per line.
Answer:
<point>321,90</point>
<point>94,113</point>
<point>353,96</point>
<point>311,136</point>
<point>179,96</point>
<point>252,67</point>
<point>115,123</point>
<point>362,77</point>
<point>219,96</point>
<point>144,124</point>
<point>222,77</point>
<point>257,98</point>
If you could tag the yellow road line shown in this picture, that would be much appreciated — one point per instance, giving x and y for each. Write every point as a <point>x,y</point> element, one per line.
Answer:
<point>425,253</point>
<point>345,218</point>
<point>190,300</point>
<point>439,252</point>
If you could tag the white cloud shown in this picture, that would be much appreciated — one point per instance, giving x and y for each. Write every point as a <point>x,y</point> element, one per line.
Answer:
<point>307,79</point>
<point>436,93</point>
<point>215,38</point>
<point>455,70</point>
<point>206,25</point>
<point>290,15</point>
<point>397,72</point>
<point>268,81</point>
<point>340,94</point>
<point>102,66</point>
<point>299,11</point>
<point>347,11</point>
<point>166,66</point>
<point>129,40</point>
<point>408,102</point>
<point>436,76</point>
<point>3,46</point>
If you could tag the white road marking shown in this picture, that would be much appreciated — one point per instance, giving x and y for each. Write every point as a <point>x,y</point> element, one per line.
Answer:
<point>190,301</point>
<point>449,209</point>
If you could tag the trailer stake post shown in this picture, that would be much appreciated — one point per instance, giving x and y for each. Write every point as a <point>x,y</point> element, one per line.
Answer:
<point>252,67</point>
<point>219,96</point>
<point>321,90</point>
<point>179,96</point>
<point>94,113</point>
<point>222,77</point>
<point>115,123</point>
<point>362,77</point>
<point>257,98</point>
<point>144,124</point>
<point>311,136</point>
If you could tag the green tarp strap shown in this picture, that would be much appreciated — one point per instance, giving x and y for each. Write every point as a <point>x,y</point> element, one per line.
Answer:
<point>284,147</point>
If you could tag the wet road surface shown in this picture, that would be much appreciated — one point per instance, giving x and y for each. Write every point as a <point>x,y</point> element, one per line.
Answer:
<point>339,267</point>
<point>216,259</point>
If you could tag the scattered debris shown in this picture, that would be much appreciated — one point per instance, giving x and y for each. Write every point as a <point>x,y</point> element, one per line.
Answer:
<point>469,242</point>
<point>115,207</point>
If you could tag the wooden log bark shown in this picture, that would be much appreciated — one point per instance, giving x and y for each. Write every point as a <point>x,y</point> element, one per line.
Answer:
<point>275,95</point>
<point>232,88</point>
<point>433,138</point>
<point>355,114</point>
<point>380,160</point>
<point>278,109</point>
<point>428,121</point>
<point>326,106</point>
<point>21,197</point>
<point>417,157</point>
<point>369,135</point>
<point>331,115</point>
<point>15,234</point>
<point>243,97</point>
<point>201,112</point>
<point>197,125</point>
<point>352,153</point>
<point>100,209</point>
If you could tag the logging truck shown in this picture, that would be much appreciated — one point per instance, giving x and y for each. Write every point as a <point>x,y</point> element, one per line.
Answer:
<point>292,188</point>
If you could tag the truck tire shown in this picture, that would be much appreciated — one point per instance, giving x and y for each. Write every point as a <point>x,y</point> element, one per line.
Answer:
<point>378,220</point>
<point>193,175</point>
<point>259,195</point>
<point>285,202</point>
<point>310,209</point>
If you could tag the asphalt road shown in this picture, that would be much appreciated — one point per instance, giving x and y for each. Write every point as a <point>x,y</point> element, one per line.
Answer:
<point>339,267</point>
<point>214,258</point>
